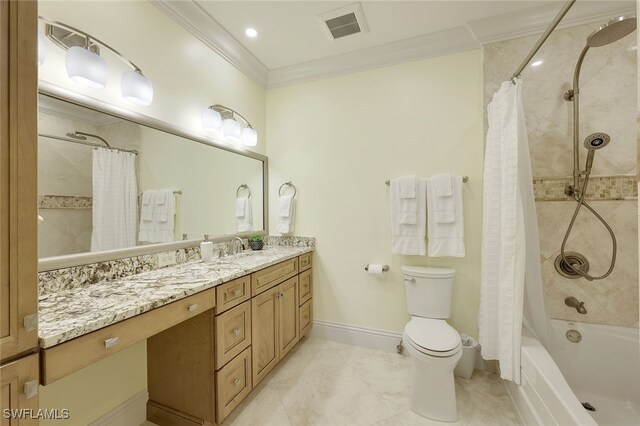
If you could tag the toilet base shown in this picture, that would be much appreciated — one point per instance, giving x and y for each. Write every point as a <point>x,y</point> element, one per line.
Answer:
<point>433,393</point>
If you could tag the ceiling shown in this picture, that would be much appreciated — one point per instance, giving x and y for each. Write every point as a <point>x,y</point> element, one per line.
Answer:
<point>293,45</point>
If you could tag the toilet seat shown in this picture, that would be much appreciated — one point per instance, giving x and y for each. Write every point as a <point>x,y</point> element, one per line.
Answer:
<point>433,337</point>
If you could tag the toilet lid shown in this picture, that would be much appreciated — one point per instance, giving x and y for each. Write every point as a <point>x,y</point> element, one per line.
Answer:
<point>433,335</point>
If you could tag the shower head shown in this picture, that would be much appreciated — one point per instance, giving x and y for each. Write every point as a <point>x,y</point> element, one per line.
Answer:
<point>75,135</point>
<point>596,141</point>
<point>613,30</point>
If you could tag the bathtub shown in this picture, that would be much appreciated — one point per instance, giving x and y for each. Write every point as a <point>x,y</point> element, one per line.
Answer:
<point>602,369</point>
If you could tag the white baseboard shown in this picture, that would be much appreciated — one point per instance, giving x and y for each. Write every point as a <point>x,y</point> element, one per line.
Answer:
<point>358,336</point>
<point>132,412</point>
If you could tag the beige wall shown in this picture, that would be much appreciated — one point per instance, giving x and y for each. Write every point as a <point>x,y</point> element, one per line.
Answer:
<point>339,139</point>
<point>95,390</point>
<point>187,75</point>
<point>608,103</point>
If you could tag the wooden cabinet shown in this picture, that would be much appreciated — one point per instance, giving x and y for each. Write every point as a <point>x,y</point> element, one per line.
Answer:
<point>268,277</point>
<point>264,320</point>
<point>19,389</point>
<point>305,286</point>
<point>18,178</point>
<point>232,333</point>
<point>304,261</point>
<point>232,294</point>
<point>233,384</point>
<point>288,332</point>
<point>306,311</point>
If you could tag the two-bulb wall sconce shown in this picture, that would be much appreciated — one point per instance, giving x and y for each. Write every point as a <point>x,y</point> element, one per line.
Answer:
<point>86,66</point>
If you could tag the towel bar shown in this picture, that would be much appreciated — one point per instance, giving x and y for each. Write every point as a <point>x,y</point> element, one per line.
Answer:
<point>465,179</point>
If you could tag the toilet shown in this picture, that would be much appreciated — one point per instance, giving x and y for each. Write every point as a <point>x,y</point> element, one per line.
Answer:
<point>433,345</point>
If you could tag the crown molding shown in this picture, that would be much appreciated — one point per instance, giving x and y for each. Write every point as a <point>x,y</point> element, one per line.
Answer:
<point>427,46</point>
<point>205,28</point>
<point>472,35</point>
<point>535,20</point>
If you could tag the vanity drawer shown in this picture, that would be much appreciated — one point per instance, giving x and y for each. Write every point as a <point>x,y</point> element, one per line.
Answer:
<point>268,277</point>
<point>233,384</point>
<point>65,358</point>
<point>232,333</point>
<point>305,261</point>
<point>306,317</point>
<point>306,286</point>
<point>232,293</point>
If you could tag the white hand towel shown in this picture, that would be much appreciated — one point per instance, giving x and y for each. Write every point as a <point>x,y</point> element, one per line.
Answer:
<point>240,206</point>
<point>447,238</point>
<point>443,185</point>
<point>163,204</point>
<point>407,186</point>
<point>160,228</point>
<point>284,206</point>
<point>244,222</point>
<point>409,239</point>
<point>401,189</point>
<point>285,223</point>
<point>148,205</point>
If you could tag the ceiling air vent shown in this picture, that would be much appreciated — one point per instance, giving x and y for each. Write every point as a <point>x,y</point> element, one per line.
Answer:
<point>346,21</point>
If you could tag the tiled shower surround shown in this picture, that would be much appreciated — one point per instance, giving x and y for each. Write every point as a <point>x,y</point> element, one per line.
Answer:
<point>608,103</point>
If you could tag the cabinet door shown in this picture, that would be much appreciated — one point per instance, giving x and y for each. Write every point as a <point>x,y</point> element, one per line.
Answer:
<point>306,317</point>
<point>18,176</point>
<point>264,329</point>
<point>19,389</point>
<point>306,286</point>
<point>288,316</point>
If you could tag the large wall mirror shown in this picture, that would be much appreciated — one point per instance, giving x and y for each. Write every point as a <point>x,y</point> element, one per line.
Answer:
<point>106,182</point>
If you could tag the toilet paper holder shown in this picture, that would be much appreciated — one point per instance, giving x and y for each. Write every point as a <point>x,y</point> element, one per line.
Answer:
<point>385,268</point>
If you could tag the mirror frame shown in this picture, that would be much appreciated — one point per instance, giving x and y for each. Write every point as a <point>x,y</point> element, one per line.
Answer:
<point>70,260</point>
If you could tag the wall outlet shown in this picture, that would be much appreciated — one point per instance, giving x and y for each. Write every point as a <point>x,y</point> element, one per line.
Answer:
<point>166,259</point>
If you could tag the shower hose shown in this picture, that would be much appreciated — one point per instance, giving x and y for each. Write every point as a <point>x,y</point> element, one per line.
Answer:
<point>581,203</point>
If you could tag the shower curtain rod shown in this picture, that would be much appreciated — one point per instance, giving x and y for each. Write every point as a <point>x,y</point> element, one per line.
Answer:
<point>81,142</point>
<point>552,26</point>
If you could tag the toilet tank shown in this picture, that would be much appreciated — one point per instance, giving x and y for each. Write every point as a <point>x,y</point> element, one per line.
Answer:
<point>428,291</point>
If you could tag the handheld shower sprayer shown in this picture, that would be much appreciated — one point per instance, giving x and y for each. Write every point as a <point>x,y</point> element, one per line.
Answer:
<point>594,142</point>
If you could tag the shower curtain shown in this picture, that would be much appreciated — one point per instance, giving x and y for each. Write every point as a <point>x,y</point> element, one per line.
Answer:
<point>115,203</point>
<point>511,293</point>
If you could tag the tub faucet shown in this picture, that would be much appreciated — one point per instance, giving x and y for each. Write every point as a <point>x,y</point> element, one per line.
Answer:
<point>231,250</point>
<point>575,303</point>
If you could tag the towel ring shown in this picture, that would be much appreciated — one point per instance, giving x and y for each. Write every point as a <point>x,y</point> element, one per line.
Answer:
<point>240,189</point>
<point>288,184</point>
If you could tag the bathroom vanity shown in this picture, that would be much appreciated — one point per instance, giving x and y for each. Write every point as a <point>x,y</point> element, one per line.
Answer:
<point>214,329</point>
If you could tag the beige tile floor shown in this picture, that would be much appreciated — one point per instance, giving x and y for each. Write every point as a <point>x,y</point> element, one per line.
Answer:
<point>326,383</point>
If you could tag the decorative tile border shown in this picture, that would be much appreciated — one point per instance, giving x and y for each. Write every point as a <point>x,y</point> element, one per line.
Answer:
<point>600,188</point>
<point>64,202</point>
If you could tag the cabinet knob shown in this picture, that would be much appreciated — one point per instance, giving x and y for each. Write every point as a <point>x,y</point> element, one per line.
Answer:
<point>30,322</point>
<point>111,342</point>
<point>236,382</point>
<point>237,292</point>
<point>31,389</point>
<point>192,308</point>
<point>236,331</point>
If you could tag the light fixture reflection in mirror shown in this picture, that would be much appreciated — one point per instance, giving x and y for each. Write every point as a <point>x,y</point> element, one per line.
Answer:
<point>234,126</point>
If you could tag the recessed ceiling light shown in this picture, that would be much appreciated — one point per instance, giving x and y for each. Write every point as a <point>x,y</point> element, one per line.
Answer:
<point>536,63</point>
<point>251,32</point>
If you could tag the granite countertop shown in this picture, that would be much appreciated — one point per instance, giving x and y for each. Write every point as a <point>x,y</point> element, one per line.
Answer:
<point>67,314</point>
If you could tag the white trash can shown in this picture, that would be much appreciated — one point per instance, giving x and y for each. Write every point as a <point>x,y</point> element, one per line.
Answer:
<point>467,363</point>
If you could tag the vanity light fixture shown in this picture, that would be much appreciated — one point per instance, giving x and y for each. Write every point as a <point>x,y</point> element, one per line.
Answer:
<point>220,117</point>
<point>85,65</point>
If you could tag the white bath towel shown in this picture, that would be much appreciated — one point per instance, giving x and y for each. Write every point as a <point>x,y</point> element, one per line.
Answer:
<point>285,223</point>
<point>443,185</point>
<point>404,194</point>
<point>148,205</point>
<point>408,239</point>
<point>244,222</point>
<point>445,238</point>
<point>160,229</point>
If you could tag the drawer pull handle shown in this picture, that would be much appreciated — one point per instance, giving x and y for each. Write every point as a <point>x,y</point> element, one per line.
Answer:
<point>111,342</point>
<point>192,308</point>
<point>236,331</point>
<point>31,389</point>
<point>236,382</point>
<point>237,292</point>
